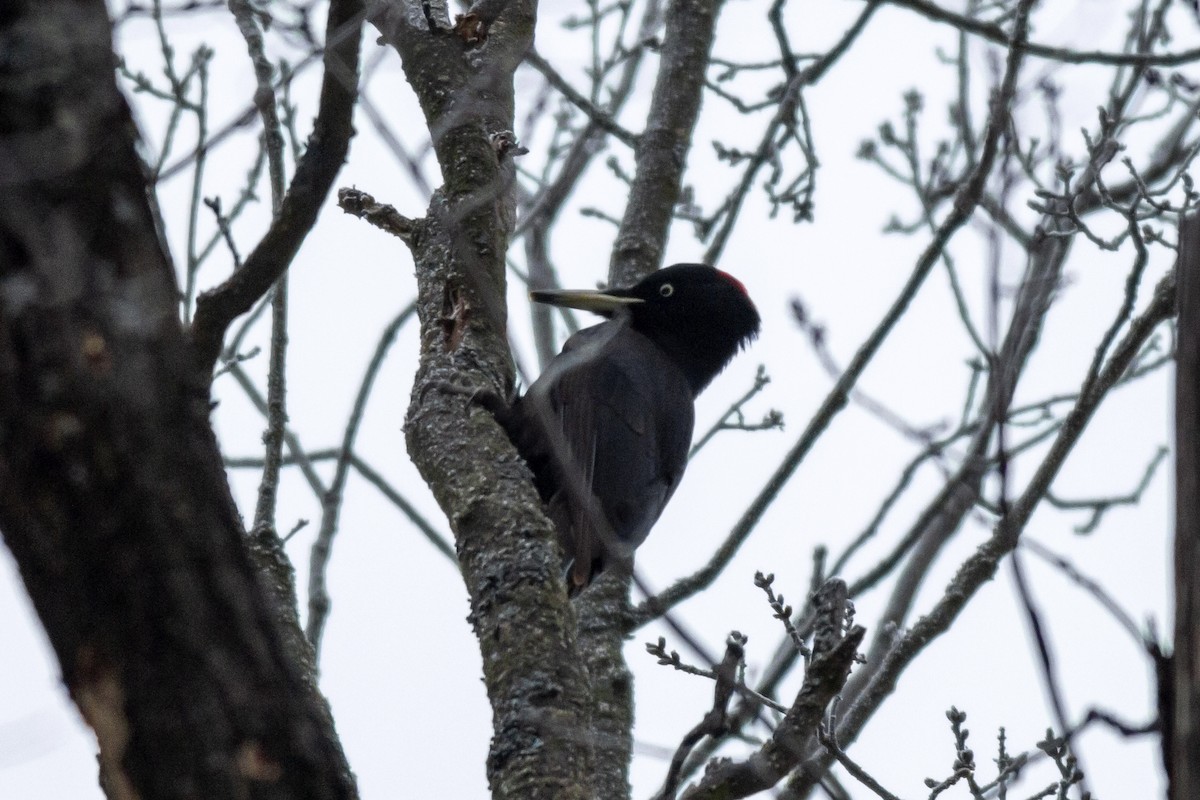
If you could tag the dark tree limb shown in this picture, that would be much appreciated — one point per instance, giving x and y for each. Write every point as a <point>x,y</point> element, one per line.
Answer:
<point>113,498</point>
<point>322,160</point>
<point>1181,734</point>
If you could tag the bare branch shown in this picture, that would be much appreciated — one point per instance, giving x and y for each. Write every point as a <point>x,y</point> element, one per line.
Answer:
<point>330,140</point>
<point>833,655</point>
<point>382,215</point>
<point>994,33</point>
<point>331,503</point>
<point>264,99</point>
<point>663,145</point>
<point>714,722</point>
<point>598,117</point>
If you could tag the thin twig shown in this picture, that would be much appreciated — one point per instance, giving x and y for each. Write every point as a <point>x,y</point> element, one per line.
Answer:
<point>331,504</point>
<point>373,477</point>
<point>601,119</point>
<point>714,722</point>
<point>994,33</point>
<point>264,100</point>
<point>837,398</point>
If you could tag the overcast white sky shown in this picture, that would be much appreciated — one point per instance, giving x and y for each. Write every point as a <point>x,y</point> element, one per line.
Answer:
<point>400,664</point>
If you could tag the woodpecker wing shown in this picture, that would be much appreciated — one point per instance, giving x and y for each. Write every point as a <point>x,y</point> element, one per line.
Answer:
<point>616,441</point>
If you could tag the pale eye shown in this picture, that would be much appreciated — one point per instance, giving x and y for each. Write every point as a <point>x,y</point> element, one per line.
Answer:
<point>666,290</point>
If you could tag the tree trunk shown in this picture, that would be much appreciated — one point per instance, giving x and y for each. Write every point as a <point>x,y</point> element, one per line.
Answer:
<point>1181,726</point>
<point>113,498</point>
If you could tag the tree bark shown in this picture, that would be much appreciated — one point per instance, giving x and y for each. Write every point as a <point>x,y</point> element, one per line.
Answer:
<point>535,678</point>
<point>113,498</point>
<point>663,147</point>
<point>1181,726</point>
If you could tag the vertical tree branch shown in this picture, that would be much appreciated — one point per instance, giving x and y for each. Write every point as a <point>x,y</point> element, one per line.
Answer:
<point>519,608</point>
<point>264,99</point>
<point>331,501</point>
<point>663,146</point>
<point>266,545</point>
<point>1181,734</point>
<point>662,150</point>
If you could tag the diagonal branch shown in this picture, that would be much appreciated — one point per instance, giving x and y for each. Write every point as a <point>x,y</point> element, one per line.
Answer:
<point>881,677</point>
<point>331,504</point>
<point>597,116</point>
<point>327,148</point>
<point>833,654</point>
<point>964,205</point>
<point>994,33</point>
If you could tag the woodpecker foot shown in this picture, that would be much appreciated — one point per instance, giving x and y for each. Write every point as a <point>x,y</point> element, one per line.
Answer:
<point>485,397</point>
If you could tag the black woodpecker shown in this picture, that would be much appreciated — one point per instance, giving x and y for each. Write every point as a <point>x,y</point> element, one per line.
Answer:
<point>607,426</point>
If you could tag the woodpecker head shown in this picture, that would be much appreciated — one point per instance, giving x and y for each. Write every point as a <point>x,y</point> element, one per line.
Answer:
<point>698,315</point>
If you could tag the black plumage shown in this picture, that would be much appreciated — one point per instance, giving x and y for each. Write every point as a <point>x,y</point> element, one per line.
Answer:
<point>607,426</point>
